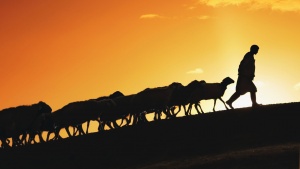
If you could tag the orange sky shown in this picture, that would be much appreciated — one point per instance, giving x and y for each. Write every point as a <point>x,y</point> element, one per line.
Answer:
<point>60,51</point>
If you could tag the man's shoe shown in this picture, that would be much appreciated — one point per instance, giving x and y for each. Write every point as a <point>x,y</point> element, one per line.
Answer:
<point>229,104</point>
<point>256,105</point>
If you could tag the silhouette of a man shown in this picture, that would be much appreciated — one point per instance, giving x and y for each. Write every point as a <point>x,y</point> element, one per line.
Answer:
<point>246,73</point>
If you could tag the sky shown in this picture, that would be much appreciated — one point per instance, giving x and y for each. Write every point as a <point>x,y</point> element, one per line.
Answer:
<point>61,51</point>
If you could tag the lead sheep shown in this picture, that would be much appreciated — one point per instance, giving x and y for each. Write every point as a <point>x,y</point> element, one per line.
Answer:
<point>210,91</point>
<point>19,120</point>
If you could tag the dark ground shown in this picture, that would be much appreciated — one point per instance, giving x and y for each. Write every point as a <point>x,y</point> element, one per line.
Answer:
<point>264,137</point>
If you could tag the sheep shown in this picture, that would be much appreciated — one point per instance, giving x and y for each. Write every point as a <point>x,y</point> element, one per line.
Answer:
<point>182,94</point>
<point>37,129</point>
<point>209,91</point>
<point>111,96</point>
<point>177,98</point>
<point>76,113</point>
<point>120,109</point>
<point>154,100</point>
<point>79,128</point>
<point>18,121</point>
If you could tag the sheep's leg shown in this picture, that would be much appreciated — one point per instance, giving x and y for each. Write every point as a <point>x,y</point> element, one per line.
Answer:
<point>109,125</point>
<point>184,109</point>
<point>80,129</point>
<point>179,109</point>
<point>223,103</point>
<point>128,121</point>
<point>196,107</point>
<point>143,117</point>
<point>75,130</point>
<point>48,135</point>
<point>68,131</point>
<point>199,105</point>
<point>122,119</point>
<point>167,113</point>
<point>101,125</point>
<point>15,141</point>
<point>87,126</point>
<point>134,119</point>
<point>56,134</point>
<point>115,124</point>
<point>5,143</point>
<point>99,122</point>
<point>172,110</point>
<point>189,110</point>
<point>215,100</point>
<point>41,137</point>
<point>157,114</point>
<point>139,118</point>
<point>39,134</point>
<point>31,136</point>
<point>22,140</point>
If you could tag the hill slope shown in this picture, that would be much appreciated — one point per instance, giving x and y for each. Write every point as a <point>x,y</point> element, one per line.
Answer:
<point>264,137</point>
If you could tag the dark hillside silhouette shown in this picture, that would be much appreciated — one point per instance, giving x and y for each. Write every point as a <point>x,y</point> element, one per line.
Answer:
<point>264,137</point>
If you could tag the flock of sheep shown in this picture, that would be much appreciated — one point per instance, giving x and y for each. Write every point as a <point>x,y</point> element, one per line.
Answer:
<point>20,125</point>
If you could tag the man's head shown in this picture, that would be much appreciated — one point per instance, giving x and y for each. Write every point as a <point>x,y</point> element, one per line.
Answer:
<point>254,49</point>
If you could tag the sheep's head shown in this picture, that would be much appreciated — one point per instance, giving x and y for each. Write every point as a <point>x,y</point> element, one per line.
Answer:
<point>227,81</point>
<point>116,94</point>
<point>202,82</point>
<point>175,86</point>
<point>195,84</point>
<point>44,108</point>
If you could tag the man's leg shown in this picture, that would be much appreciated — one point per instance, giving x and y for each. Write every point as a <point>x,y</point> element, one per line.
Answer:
<point>253,99</point>
<point>232,99</point>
